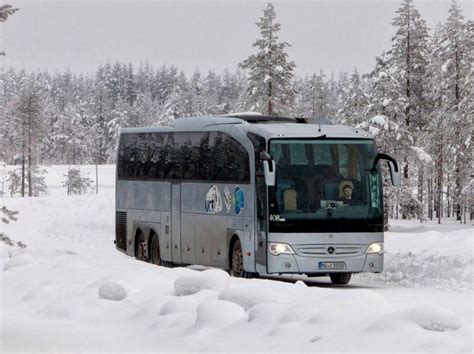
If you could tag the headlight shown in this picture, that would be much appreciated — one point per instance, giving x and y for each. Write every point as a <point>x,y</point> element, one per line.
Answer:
<point>280,248</point>
<point>376,247</point>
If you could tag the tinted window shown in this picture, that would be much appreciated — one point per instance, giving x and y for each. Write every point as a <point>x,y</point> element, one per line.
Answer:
<point>197,156</point>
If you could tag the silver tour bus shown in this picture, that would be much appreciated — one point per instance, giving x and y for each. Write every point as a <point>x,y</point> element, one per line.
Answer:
<point>252,194</point>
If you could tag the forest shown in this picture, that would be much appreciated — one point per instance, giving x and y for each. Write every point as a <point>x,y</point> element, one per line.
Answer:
<point>417,101</point>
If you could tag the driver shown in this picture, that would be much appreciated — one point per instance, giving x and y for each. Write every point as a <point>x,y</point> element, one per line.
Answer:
<point>345,192</point>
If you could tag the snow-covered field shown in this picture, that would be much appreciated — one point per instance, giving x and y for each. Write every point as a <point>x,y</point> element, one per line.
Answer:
<point>70,290</point>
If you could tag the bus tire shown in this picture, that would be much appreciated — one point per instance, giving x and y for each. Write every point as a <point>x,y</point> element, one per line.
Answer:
<point>140,246</point>
<point>155,256</point>
<point>237,263</point>
<point>340,278</point>
<point>237,260</point>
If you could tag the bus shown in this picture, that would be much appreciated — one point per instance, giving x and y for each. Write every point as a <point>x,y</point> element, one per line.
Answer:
<point>254,195</point>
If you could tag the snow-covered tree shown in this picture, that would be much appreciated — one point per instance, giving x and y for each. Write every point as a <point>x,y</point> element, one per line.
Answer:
<point>315,97</point>
<point>409,56</point>
<point>28,121</point>
<point>270,88</point>
<point>75,183</point>
<point>456,57</point>
<point>354,107</point>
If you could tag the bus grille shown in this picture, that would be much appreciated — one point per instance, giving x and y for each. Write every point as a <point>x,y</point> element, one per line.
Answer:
<point>121,230</point>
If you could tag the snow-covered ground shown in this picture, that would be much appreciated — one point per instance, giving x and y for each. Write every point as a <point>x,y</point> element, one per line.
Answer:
<point>70,290</point>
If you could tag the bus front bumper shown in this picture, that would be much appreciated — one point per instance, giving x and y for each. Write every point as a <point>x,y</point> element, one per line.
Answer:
<point>294,263</point>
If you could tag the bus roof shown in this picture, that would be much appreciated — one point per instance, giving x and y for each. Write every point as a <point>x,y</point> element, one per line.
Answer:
<point>281,127</point>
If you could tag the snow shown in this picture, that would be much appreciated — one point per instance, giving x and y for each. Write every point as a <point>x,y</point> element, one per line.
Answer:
<point>110,290</point>
<point>386,102</point>
<point>421,154</point>
<point>374,131</point>
<point>212,279</point>
<point>380,120</point>
<point>71,291</point>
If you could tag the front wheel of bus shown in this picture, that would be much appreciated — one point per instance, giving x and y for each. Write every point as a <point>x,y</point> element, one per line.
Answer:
<point>340,278</point>
<point>237,263</point>
<point>155,257</point>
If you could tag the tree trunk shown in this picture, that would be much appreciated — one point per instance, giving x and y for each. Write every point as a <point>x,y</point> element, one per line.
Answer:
<point>270,108</point>
<point>23,156</point>
<point>420,186</point>
<point>448,196</point>
<point>30,158</point>
<point>439,201</point>
<point>430,197</point>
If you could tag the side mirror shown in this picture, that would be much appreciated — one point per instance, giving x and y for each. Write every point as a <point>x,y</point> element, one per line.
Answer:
<point>270,172</point>
<point>395,174</point>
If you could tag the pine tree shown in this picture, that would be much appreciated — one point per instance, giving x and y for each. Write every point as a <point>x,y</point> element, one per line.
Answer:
<point>315,97</point>
<point>456,58</point>
<point>355,105</point>
<point>270,87</point>
<point>8,215</point>
<point>28,120</point>
<point>75,183</point>
<point>409,58</point>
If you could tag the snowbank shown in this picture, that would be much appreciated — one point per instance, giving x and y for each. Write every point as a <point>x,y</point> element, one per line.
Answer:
<point>212,279</point>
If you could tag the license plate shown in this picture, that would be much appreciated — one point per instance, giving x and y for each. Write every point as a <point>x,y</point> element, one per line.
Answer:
<point>332,265</point>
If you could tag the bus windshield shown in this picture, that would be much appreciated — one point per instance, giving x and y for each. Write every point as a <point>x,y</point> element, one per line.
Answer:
<point>325,185</point>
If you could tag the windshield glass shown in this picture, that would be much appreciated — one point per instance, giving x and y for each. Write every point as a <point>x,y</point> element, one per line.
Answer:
<point>324,185</point>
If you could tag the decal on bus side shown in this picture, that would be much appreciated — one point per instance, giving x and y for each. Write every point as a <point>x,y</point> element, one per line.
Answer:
<point>227,199</point>
<point>239,200</point>
<point>213,200</point>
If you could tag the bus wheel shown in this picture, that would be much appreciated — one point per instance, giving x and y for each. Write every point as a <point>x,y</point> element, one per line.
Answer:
<point>237,263</point>
<point>140,247</point>
<point>155,250</point>
<point>340,278</point>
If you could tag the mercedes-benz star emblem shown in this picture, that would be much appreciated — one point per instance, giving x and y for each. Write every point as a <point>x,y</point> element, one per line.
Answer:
<point>331,250</point>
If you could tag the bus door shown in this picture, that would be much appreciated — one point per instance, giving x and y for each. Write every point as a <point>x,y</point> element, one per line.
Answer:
<point>176,221</point>
<point>261,239</point>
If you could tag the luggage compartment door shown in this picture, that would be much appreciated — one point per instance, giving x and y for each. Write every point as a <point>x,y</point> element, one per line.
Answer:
<point>176,221</point>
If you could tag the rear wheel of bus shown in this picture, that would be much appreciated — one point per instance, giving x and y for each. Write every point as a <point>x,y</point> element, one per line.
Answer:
<point>155,257</point>
<point>340,278</point>
<point>140,246</point>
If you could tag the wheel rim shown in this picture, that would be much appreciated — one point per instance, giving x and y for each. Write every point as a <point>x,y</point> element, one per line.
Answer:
<point>237,262</point>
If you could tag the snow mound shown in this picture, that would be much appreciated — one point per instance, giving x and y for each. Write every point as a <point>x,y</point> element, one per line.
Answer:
<point>177,306</point>
<point>110,290</point>
<point>436,319</point>
<point>428,318</point>
<point>212,279</point>
<point>217,314</point>
<point>19,260</point>
<point>249,296</point>
<point>425,269</point>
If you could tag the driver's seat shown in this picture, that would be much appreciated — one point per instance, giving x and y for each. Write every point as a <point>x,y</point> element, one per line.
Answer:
<point>290,200</point>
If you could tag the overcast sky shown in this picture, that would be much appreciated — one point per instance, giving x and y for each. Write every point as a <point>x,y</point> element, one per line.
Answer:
<point>335,35</point>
